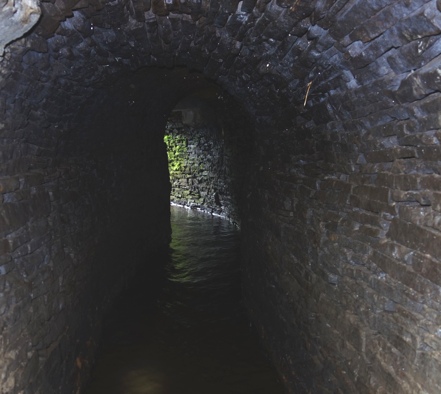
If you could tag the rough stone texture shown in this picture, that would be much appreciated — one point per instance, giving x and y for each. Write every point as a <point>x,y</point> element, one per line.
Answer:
<point>341,220</point>
<point>208,154</point>
<point>73,225</point>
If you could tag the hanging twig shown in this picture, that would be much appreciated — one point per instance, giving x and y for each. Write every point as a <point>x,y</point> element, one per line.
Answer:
<point>307,92</point>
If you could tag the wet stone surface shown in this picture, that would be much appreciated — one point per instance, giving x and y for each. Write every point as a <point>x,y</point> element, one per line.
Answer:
<point>194,338</point>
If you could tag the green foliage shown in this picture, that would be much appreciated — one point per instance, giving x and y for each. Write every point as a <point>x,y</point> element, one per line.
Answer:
<point>176,152</point>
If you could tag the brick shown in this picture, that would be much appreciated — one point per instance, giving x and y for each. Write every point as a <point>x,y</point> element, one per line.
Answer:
<point>9,184</point>
<point>372,206</point>
<point>423,198</point>
<point>426,266</point>
<point>427,139</point>
<point>407,182</point>
<point>419,84</point>
<point>413,55</point>
<point>372,193</point>
<point>404,344</point>
<point>248,5</point>
<point>429,153</point>
<point>370,28</point>
<point>436,201</point>
<point>400,272</point>
<point>425,113</point>
<point>431,182</point>
<point>369,219</point>
<point>415,237</point>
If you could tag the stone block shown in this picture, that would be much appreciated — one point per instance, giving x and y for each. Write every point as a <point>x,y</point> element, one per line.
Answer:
<point>431,182</point>
<point>413,88</point>
<point>15,215</point>
<point>369,219</point>
<point>50,20</point>
<point>423,20</point>
<point>372,206</point>
<point>407,182</point>
<point>350,17</point>
<point>413,55</point>
<point>415,237</point>
<point>9,184</point>
<point>436,201</point>
<point>423,198</point>
<point>371,192</point>
<point>248,6</point>
<point>423,142</point>
<point>427,267</point>
<point>403,273</point>
<point>429,362</point>
<point>371,232</point>
<point>374,26</point>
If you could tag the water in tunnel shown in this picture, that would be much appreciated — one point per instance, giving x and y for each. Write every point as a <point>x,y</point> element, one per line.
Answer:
<point>183,329</point>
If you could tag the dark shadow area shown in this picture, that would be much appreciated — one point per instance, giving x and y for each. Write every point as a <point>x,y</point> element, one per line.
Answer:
<point>180,326</point>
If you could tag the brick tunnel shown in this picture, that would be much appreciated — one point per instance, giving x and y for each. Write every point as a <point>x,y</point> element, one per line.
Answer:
<point>336,105</point>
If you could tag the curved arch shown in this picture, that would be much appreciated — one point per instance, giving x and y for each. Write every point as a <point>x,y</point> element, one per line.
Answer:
<point>342,204</point>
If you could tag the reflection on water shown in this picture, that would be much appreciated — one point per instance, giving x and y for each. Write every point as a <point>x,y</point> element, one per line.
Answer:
<point>193,338</point>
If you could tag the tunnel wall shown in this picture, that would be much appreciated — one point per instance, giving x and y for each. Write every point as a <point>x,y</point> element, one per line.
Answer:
<point>342,231</point>
<point>208,157</point>
<point>85,203</point>
<point>341,220</point>
<point>341,244</point>
<point>69,246</point>
<point>197,174</point>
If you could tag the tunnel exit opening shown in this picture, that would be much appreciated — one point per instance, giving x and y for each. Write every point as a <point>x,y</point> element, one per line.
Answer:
<point>208,146</point>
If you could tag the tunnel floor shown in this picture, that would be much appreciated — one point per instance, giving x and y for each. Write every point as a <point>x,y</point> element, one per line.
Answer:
<point>183,330</point>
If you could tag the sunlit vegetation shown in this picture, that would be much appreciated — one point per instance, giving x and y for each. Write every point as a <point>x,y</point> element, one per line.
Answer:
<point>176,152</point>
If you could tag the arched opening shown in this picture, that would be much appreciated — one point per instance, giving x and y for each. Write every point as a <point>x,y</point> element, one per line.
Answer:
<point>341,222</point>
<point>208,137</point>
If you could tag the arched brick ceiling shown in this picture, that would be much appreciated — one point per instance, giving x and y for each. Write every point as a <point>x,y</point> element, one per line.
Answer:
<point>274,56</point>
